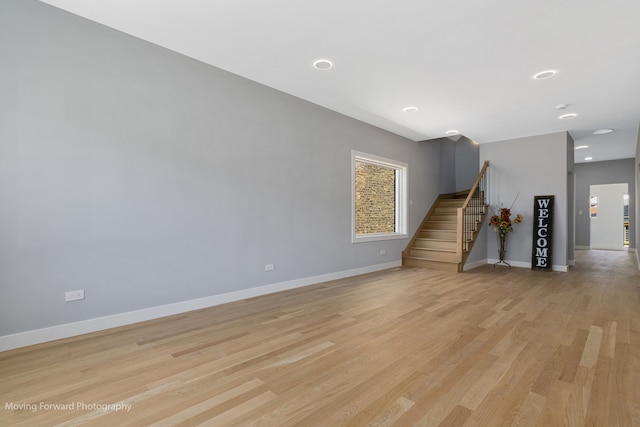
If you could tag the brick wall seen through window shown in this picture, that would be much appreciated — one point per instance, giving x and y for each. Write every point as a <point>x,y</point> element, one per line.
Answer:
<point>375,198</point>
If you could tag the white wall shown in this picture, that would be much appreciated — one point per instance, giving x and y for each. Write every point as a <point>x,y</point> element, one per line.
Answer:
<point>528,167</point>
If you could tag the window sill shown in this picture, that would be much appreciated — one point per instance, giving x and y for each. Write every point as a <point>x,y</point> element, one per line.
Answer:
<point>378,237</point>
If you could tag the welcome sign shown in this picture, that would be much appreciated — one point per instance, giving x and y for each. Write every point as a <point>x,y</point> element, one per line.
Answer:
<point>542,232</point>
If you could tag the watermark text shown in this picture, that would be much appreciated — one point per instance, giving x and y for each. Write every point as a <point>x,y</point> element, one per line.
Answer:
<point>71,406</point>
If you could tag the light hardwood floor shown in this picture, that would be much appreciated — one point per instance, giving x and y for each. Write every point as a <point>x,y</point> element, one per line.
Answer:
<point>403,347</point>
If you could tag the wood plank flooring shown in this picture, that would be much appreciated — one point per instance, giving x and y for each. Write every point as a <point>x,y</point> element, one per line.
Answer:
<point>403,347</point>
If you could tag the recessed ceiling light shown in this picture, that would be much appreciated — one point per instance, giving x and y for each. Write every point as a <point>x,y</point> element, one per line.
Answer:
<point>452,132</point>
<point>602,131</point>
<point>567,116</point>
<point>322,64</point>
<point>410,109</point>
<point>588,158</point>
<point>544,74</point>
<point>580,147</point>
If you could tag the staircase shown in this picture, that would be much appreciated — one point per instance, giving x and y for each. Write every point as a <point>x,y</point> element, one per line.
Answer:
<point>449,230</point>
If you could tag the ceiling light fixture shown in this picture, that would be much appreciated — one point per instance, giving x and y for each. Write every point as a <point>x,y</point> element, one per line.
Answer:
<point>602,131</point>
<point>452,132</point>
<point>580,147</point>
<point>544,74</point>
<point>588,158</point>
<point>322,64</point>
<point>567,116</point>
<point>410,109</point>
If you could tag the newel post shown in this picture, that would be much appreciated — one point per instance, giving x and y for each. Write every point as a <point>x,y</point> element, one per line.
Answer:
<point>459,233</point>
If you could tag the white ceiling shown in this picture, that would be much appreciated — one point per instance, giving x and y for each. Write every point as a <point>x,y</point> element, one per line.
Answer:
<point>466,64</point>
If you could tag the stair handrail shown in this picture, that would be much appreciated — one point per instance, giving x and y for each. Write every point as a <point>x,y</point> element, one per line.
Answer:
<point>477,183</point>
<point>471,212</point>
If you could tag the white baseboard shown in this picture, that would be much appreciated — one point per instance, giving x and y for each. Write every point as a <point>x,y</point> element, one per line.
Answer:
<point>520,264</point>
<point>475,264</point>
<point>583,248</point>
<point>608,248</point>
<point>37,336</point>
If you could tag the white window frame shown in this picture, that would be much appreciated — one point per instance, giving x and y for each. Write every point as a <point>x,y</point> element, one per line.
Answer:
<point>402,197</point>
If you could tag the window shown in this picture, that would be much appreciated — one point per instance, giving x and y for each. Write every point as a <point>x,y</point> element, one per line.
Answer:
<point>379,205</point>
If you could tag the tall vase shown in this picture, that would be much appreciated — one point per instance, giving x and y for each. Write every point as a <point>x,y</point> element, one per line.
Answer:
<point>502,248</point>
<point>502,243</point>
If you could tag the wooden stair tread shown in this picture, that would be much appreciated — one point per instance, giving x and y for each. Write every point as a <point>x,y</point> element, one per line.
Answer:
<point>433,249</point>
<point>429,259</point>
<point>437,243</point>
<point>432,264</point>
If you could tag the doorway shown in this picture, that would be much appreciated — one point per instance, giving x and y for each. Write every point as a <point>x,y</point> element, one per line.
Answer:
<point>607,216</point>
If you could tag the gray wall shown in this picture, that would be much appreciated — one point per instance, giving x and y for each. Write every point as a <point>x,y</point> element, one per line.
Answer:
<point>598,173</point>
<point>637,192</point>
<point>528,167</point>
<point>467,158</point>
<point>147,178</point>
<point>459,158</point>
<point>447,164</point>
<point>571,245</point>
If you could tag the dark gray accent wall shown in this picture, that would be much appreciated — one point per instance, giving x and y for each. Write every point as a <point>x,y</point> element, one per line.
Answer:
<point>447,164</point>
<point>146,178</point>
<point>467,163</point>
<point>459,159</point>
<point>598,173</point>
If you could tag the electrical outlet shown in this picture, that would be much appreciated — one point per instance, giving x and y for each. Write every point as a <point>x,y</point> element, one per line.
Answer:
<point>74,295</point>
<point>382,252</point>
<point>269,267</point>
